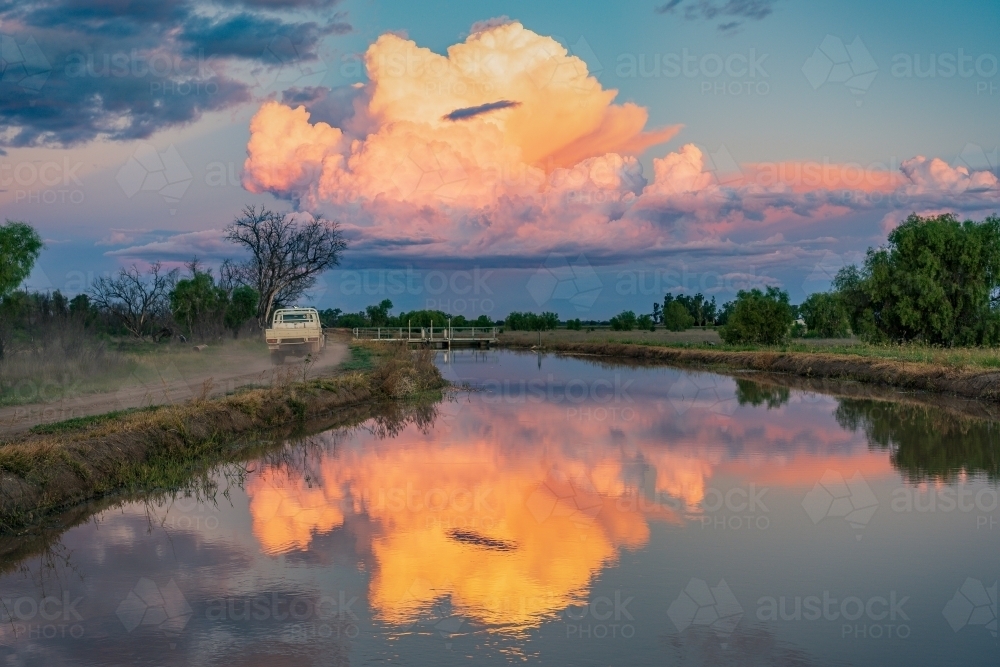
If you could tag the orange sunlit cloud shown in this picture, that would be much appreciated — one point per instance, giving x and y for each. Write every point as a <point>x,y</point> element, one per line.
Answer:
<point>507,144</point>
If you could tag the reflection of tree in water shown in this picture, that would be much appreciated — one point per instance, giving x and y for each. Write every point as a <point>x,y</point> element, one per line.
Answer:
<point>756,394</point>
<point>925,443</point>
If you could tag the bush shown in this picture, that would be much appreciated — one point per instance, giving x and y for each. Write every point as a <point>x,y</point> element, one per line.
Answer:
<point>825,315</point>
<point>574,325</point>
<point>761,318</point>
<point>676,317</point>
<point>645,322</point>
<point>624,321</point>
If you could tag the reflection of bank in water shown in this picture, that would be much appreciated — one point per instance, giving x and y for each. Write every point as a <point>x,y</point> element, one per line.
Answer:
<point>925,443</point>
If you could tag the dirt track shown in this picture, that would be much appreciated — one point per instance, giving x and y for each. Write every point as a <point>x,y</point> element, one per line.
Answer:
<point>171,387</point>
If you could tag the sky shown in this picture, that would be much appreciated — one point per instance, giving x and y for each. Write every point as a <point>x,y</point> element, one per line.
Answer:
<point>582,158</point>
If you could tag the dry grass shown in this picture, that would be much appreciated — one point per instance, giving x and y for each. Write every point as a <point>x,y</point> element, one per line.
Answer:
<point>60,361</point>
<point>65,362</point>
<point>146,450</point>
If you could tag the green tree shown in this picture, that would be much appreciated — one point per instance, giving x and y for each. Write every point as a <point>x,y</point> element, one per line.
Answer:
<point>676,317</point>
<point>241,308</point>
<point>936,281</point>
<point>20,246</point>
<point>197,304</point>
<point>624,321</point>
<point>645,322</point>
<point>574,325</point>
<point>378,316</point>
<point>758,317</point>
<point>825,315</point>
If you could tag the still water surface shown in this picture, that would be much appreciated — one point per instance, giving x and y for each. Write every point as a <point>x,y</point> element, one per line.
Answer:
<point>562,513</point>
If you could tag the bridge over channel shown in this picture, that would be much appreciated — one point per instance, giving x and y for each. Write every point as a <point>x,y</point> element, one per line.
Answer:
<point>436,337</point>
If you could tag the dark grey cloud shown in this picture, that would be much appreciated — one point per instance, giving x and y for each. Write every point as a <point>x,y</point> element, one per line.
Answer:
<point>332,106</point>
<point>77,70</point>
<point>470,112</point>
<point>248,36</point>
<point>731,14</point>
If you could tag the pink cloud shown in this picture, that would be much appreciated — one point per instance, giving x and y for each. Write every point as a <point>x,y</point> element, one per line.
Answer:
<point>541,158</point>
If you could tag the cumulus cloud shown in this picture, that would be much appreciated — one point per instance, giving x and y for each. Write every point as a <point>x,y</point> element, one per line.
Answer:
<point>433,158</point>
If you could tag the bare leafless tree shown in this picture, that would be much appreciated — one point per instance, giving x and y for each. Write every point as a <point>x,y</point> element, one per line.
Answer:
<point>133,297</point>
<point>285,257</point>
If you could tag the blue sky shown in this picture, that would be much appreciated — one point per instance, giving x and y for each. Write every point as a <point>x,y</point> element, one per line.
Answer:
<point>72,140</point>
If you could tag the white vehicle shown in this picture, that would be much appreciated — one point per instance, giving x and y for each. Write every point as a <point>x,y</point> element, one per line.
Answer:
<point>294,332</point>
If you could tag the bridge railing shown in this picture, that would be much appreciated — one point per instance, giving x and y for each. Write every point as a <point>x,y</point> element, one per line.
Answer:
<point>425,333</point>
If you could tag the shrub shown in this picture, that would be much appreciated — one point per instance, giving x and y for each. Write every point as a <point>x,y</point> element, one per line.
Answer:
<point>825,315</point>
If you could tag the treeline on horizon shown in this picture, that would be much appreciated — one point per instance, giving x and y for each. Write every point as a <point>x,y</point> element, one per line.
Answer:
<point>936,282</point>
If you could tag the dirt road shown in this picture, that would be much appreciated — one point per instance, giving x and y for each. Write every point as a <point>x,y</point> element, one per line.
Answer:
<point>226,372</point>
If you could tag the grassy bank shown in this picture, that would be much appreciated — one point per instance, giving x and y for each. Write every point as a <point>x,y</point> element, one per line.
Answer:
<point>61,465</point>
<point>970,373</point>
<point>708,338</point>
